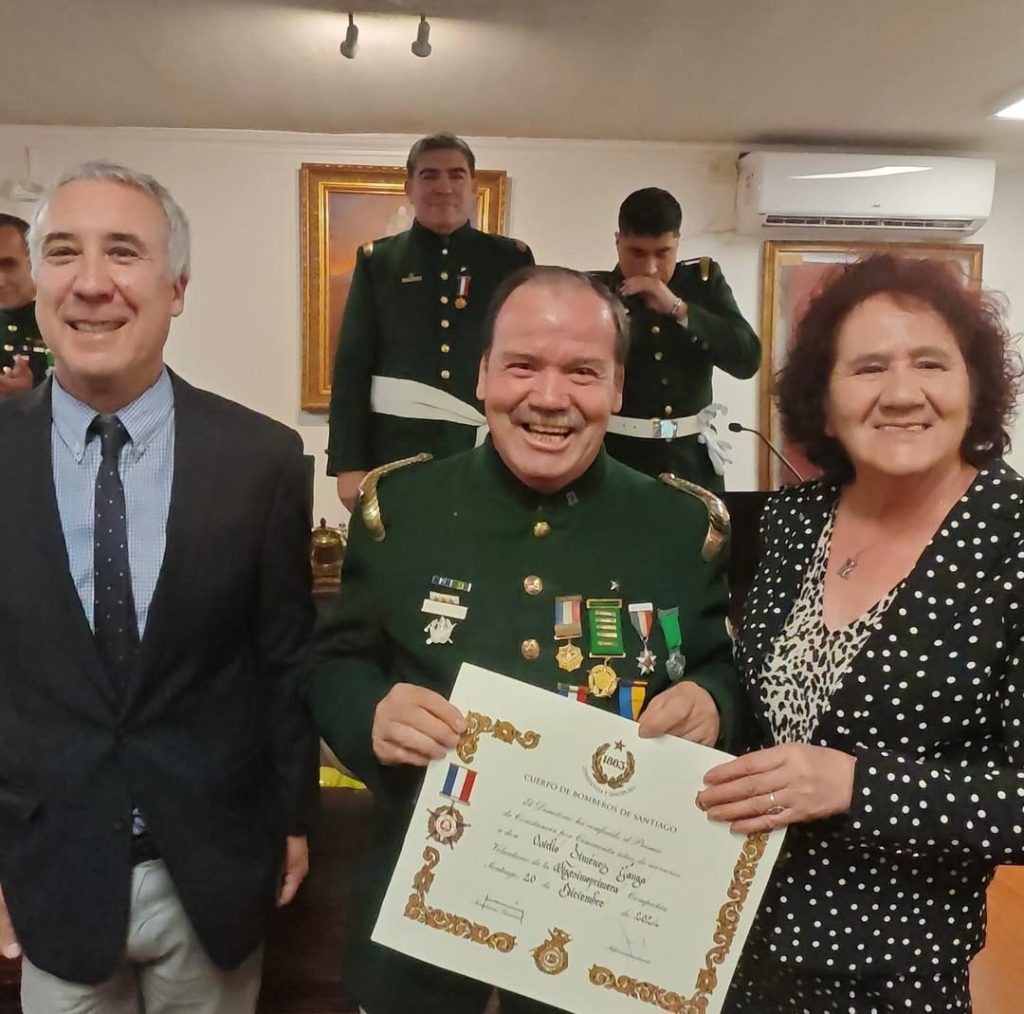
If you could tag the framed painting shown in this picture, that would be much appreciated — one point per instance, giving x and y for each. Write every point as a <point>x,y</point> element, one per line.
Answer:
<point>343,207</point>
<point>792,271</point>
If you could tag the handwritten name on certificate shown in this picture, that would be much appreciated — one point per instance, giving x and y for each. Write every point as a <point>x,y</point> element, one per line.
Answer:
<point>556,854</point>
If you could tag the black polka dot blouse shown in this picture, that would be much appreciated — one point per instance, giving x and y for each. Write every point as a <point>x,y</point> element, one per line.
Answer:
<point>932,706</point>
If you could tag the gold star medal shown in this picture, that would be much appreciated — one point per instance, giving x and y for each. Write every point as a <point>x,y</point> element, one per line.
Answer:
<point>602,680</point>
<point>567,626</point>
<point>604,620</point>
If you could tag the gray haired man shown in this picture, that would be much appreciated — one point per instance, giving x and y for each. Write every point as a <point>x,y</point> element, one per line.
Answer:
<point>157,768</point>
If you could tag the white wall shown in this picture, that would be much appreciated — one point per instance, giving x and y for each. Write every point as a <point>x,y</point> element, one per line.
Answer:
<point>240,333</point>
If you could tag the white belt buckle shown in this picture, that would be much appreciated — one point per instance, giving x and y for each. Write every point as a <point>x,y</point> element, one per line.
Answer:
<point>665,429</point>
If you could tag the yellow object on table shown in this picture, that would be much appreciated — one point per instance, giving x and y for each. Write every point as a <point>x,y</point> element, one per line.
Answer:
<point>332,778</point>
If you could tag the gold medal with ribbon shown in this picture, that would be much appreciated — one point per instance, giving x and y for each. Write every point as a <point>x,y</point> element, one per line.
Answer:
<point>568,625</point>
<point>604,622</point>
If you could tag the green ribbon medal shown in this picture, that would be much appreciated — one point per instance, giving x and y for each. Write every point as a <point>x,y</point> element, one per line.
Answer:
<point>676,662</point>
<point>604,623</point>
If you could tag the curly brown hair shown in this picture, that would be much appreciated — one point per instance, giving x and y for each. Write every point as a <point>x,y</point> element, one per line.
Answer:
<point>976,318</point>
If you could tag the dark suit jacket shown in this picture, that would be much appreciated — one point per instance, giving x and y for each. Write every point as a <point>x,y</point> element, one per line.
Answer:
<point>212,740</point>
<point>933,709</point>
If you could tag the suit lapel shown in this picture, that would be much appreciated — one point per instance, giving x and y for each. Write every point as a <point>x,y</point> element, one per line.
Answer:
<point>196,449</point>
<point>68,620</point>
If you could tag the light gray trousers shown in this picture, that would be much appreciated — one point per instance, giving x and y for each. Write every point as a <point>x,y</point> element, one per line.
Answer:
<point>165,969</point>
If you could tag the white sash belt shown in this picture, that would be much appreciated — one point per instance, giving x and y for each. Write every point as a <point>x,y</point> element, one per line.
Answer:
<point>700,424</point>
<point>411,399</point>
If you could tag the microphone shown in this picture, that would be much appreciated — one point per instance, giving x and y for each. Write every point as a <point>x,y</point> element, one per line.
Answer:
<point>735,427</point>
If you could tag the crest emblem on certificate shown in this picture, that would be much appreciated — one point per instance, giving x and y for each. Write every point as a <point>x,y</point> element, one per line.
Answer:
<point>612,765</point>
<point>445,825</point>
<point>551,957</point>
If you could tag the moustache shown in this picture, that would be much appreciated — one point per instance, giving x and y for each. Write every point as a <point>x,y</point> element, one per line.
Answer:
<point>554,420</point>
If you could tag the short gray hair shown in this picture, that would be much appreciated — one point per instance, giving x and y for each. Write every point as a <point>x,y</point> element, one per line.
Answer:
<point>179,238</point>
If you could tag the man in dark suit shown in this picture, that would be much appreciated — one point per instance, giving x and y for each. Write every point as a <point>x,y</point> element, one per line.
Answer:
<point>683,322</point>
<point>157,768</point>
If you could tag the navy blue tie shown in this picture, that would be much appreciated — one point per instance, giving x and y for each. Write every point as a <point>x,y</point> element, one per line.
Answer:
<point>115,624</point>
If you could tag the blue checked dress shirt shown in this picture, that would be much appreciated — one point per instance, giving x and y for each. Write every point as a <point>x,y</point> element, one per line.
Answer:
<point>147,471</point>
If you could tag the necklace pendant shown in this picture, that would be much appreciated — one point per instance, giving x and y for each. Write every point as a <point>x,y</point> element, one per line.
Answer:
<point>848,567</point>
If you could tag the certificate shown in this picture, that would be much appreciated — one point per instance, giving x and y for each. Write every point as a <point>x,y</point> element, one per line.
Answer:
<point>556,854</point>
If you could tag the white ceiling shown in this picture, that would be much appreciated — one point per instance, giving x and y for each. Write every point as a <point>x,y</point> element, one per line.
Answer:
<point>893,73</point>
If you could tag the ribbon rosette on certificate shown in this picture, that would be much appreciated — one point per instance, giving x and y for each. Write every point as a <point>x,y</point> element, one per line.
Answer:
<point>582,874</point>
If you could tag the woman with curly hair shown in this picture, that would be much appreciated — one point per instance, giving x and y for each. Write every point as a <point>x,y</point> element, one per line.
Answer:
<point>882,649</point>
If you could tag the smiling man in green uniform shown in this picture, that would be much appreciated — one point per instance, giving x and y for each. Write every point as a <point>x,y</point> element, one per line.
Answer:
<point>683,321</point>
<point>535,555</point>
<point>23,356</point>
<point>410,339</point>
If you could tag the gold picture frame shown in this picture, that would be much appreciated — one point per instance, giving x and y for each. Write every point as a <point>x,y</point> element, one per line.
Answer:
<point>791,271</point>
<point>343,207</point>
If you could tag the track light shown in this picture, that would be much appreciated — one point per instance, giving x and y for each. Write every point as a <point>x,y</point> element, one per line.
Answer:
<point>421,47</point>
<point>351,43</point>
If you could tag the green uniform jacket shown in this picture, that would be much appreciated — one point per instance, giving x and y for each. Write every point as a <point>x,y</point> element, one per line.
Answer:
<point>668,372</point>
<point>19,336</point>
<point>405,318</point>
<point>613,533</point>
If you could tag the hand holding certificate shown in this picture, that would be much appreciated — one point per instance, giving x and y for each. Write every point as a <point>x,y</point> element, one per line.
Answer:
<point>557,854</point>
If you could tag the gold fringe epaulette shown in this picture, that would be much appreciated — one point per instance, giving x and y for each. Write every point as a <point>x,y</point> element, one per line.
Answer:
<point>521,246</point>
<point>369,505</point>
<point>705,266</point>
<point>368,249</point>
<point>718,514</point>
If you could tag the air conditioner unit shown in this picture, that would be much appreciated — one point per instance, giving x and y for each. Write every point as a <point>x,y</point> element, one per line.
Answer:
<point>804,192</point>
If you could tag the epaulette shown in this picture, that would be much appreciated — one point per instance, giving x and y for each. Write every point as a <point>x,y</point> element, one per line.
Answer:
<point>369,505</point>
<point>705,266</point>
<point>521,246</point>
<point>368,249</point>
<point>718,513</point>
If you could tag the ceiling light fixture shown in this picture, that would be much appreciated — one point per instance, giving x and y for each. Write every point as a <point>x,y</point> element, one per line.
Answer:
<point>351,44</point>
<point>421,47</point>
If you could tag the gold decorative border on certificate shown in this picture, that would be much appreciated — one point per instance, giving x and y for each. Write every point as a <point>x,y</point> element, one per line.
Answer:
<point>725,930</point>
<point>416,908</point>
<point>478,725</point>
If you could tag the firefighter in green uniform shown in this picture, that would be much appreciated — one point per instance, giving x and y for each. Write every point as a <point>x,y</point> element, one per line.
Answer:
<point>24,359</point>
<point>410,339</point>
<point>684,321</point>
<point>501,556</point>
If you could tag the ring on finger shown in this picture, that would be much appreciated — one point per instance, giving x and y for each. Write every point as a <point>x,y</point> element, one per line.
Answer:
<point>774,808</point>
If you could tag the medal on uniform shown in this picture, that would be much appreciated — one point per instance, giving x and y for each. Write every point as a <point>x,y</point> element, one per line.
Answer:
<point>574,692</point>
<point>567,626</point>
<point>641,616</point>
<point>604,621</point>
<point>462,291</point>
<point>446,609</point>
<point>676,663</point>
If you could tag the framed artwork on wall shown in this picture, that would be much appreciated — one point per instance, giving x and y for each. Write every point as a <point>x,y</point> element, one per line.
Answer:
<point>343,207</point>
<point>792,270</point>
